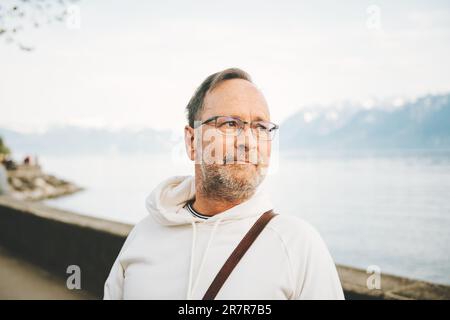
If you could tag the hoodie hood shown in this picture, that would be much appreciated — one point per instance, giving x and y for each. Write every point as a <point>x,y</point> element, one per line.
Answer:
<point>166,203</point>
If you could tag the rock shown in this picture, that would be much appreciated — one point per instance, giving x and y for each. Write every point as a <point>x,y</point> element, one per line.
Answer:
<point>28,182</point>
<point>16,184</point>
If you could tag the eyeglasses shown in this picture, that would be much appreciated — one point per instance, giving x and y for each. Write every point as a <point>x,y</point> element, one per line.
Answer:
<point>231,126</point>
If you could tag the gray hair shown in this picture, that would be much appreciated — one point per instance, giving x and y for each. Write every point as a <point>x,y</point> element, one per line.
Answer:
<point>195,105</point>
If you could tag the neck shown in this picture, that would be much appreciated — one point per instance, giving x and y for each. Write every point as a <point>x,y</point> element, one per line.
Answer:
<point>210,206</point>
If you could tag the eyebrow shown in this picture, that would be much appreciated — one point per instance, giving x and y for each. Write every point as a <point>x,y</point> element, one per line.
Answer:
<point>258,118</point>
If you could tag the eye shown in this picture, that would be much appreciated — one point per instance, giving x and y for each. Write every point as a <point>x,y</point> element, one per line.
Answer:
<point>229,124</point>
<point>262,127</point>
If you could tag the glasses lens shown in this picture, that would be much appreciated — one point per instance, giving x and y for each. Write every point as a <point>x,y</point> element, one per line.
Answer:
<point>229,126</point>
<point>264,130</point>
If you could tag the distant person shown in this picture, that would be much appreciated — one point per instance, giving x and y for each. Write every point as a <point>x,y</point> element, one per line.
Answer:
<point>4,187</point>
<point>195,222</point>
<point>27,160</point>
<point>9,163</point>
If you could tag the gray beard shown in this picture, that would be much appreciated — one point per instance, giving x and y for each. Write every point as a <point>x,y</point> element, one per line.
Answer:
<point>220,182</point>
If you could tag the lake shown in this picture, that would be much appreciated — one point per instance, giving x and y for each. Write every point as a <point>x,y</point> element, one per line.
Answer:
<point>389,209</point>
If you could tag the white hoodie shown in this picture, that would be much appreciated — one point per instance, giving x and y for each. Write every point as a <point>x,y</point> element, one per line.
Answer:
<point>171,254</point>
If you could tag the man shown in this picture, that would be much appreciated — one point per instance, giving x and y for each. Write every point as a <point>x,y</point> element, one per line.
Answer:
<point>195,223</point>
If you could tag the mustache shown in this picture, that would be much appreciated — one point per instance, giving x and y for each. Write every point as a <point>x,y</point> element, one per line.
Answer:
<point>231,159</point>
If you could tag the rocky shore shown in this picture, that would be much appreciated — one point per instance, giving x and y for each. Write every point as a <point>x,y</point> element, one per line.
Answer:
<point>29,182</point>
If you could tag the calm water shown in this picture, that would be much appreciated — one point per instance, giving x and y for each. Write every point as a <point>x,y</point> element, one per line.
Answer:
<point>391,210</point>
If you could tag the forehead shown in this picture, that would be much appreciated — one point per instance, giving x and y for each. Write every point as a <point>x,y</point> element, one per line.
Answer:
<point>236,97</point>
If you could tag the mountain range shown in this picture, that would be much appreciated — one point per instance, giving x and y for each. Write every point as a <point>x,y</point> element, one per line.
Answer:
<point>423,123</point>
<point>420,124</point>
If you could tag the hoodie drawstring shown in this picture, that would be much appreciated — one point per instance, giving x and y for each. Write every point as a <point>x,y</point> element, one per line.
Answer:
<point>194,234</point>
<point>191,287</point>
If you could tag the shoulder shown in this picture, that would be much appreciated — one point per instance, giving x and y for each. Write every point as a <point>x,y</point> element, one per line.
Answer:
<point>139,232</point>
<point>293,228</point>
<point>300,239</point>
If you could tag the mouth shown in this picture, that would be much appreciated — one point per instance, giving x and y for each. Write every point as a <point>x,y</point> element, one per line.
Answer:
<point>227,160</point>
<point>240,163</point>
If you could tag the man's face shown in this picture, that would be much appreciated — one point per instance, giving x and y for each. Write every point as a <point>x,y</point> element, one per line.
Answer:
<point>231,166</point>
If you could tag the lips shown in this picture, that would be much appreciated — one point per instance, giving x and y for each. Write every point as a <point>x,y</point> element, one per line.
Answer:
<point>235,161</point>
<point>239,162</point>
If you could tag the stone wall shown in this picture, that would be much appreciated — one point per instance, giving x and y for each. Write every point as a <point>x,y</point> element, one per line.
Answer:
<point>55,239</point>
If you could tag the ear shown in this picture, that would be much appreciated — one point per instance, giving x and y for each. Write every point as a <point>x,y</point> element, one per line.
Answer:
<point>189,142</point>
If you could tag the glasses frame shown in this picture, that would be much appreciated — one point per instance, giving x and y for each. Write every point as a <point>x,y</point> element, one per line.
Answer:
<point>207,121</point>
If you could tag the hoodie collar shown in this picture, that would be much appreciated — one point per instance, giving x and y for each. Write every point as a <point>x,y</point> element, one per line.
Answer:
<point>165,203</point>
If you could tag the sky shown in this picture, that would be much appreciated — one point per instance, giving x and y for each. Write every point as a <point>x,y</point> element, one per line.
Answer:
<point>135,64</point>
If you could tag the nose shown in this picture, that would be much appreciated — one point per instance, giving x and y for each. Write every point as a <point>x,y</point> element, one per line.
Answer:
<point>247,145</point>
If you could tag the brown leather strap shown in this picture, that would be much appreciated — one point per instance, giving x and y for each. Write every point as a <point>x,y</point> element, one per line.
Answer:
<point>237,254</point>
